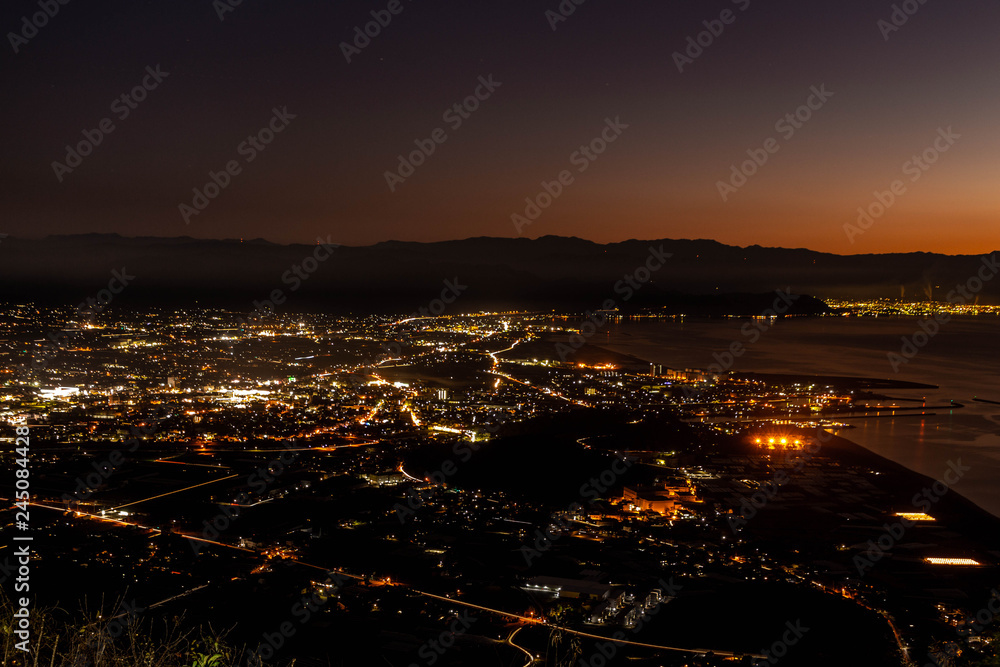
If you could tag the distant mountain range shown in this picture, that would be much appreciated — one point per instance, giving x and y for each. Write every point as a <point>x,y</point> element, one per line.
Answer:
<point>700,277</point>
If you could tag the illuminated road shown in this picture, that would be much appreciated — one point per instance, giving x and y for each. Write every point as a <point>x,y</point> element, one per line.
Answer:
<point>543,390</point>
<point>156,531</point>
<point>528,656</point>
<point>535,621</point>
<point>433,596</point>
<point>374,411</point>
<point>186,463</point>
<point>413,414</point>
<point>322,448</point>
<point>496,362</point>
<point>903,648</point>
<point>169,599</point>
<point>442,598</point>
<point>170,493</point>
<point>96,517</point>
<point>406,474</point>
<point>218,544</point>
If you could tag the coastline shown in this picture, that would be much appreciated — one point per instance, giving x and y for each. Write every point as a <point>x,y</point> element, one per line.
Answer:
<point>955,509</point>
<point>955,504</point>
<point>922,447</point>
<point>965,429</point>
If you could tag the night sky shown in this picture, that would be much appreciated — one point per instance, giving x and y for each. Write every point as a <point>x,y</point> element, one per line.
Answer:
<point>325,172</point>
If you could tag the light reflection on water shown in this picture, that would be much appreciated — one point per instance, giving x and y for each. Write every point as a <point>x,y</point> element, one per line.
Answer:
<point>962,360</point>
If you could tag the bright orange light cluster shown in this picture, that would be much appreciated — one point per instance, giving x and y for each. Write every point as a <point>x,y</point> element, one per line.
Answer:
<point>778,442</point>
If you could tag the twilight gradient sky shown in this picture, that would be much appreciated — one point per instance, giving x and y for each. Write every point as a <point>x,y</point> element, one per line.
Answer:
<point>325,174</point>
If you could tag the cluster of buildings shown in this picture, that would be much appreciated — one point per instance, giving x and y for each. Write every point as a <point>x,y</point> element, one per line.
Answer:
<point>344,405</point>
